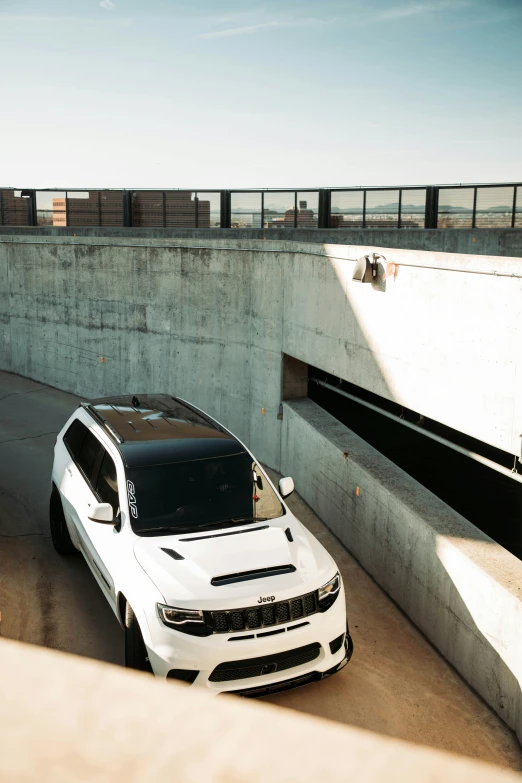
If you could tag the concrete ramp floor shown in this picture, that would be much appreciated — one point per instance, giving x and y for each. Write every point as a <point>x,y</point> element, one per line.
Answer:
<point>396,683</point>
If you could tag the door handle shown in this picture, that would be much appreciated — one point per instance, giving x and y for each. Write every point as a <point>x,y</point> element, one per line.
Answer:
<point>69,471</point>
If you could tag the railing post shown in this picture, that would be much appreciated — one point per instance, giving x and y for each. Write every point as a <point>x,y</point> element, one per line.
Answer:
<point>432,207</point>
<point>32,215</point>
<point>33,209</point>
<point>127,209</point>
<point>225,209</point>
<point>323,216</point>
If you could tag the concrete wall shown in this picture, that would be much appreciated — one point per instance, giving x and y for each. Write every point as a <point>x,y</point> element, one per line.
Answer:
<point>211,321</point>
<point>483,241</point>
<point>98,319</point>
<point>70,720</point>
<point>459,587</point>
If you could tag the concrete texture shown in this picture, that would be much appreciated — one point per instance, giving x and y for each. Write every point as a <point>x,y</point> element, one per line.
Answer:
<point>478,241</point>
<point>211,321</point>
<point>396,683</point>
<point>65,720</point>
<point>459,587</point>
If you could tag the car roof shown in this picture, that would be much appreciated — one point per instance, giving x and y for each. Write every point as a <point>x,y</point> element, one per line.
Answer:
<point>152,429</point>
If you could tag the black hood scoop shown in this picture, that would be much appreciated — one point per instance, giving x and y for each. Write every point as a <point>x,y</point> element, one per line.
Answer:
<point>246,576</point>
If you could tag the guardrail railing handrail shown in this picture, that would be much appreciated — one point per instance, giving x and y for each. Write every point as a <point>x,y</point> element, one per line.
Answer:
<point>489,205</point>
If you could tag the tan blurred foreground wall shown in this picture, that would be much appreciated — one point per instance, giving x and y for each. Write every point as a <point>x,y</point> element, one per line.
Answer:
<point>65,719</point>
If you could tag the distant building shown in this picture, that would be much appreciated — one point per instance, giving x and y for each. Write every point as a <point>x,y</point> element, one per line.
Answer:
<point>14,210</point>
<point>305,216</point>
<point>150,209</point>
<point>172,209</point>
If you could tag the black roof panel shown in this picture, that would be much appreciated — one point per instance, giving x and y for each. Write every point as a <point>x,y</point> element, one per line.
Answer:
<point>157,428</point>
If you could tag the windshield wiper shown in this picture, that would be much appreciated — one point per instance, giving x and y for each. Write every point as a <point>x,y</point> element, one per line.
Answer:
<point>249,519</point>
<point>163,529</point>
<point>197,528</point>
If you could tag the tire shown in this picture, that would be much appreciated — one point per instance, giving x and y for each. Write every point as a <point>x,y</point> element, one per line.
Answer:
<point>135,651</point>
<point>59,532</point>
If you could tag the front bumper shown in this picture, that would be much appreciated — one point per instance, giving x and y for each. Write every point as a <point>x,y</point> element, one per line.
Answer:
<point>298,682</point>
<point>169,650</point>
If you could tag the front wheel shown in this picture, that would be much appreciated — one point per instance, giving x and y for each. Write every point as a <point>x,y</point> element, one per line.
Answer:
<point>59,532</point>
<point>135,651</point>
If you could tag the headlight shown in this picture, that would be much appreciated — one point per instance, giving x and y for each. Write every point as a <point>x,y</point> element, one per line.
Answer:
<point>191,621</point>
<point>172,616</point>
<point>328,593</point>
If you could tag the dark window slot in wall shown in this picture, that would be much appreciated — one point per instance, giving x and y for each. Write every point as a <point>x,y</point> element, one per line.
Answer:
<point>490,500</point>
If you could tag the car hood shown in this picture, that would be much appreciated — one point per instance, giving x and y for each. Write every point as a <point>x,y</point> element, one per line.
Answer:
<point>187,581</point>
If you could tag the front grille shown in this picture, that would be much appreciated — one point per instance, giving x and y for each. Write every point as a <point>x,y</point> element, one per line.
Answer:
<point>262,616</point>
<point>267,664</point>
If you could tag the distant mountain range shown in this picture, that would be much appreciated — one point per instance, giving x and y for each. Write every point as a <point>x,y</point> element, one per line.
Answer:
<point>391,208</point>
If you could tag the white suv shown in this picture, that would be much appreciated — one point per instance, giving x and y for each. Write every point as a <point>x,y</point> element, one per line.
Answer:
<point>204,565</point>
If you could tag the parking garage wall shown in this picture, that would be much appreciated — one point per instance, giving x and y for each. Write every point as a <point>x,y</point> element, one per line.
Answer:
<point>210,321</point>
<point>457,585</point>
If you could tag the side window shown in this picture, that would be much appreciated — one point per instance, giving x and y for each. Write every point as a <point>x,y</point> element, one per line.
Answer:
<point>74,438</point>
<point>107,483</point>
<point>89,451</point>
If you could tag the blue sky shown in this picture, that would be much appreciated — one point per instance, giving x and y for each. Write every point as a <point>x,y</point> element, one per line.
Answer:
<point>237,93</point>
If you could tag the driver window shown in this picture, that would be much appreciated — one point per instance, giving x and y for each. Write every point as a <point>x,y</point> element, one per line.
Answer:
<point>107,483</point>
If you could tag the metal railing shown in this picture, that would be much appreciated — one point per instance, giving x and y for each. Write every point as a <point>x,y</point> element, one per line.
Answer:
<point>433,206</point>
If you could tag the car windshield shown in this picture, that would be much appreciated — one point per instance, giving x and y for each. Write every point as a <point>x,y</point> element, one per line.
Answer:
<point>200,494</point>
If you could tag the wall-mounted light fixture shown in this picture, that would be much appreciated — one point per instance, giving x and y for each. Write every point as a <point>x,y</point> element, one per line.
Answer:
<point>366,269</point>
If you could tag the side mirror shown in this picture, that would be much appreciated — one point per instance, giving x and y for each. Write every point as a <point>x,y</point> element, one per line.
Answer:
<point>102,512</point>
<point>286,486</point>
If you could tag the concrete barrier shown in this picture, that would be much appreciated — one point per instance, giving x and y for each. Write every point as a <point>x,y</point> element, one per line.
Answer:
<point>458,586</point>
<point>66,720</point>
<point>482,241</point>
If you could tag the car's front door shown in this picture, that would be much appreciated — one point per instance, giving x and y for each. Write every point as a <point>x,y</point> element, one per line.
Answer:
<point>103,541</point>
<point>82,499</point>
